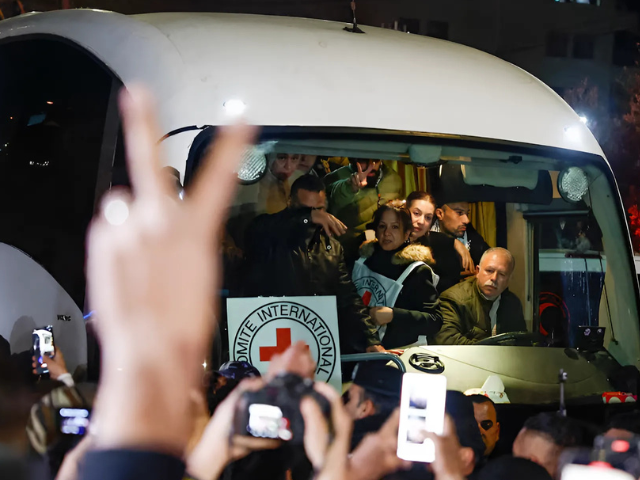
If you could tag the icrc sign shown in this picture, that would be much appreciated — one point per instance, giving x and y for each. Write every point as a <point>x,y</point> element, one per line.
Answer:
<point>262,327</point>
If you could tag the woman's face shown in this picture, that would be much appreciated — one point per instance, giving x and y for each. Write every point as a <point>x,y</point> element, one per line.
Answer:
<point>390,233</point>
<point>422,212</point>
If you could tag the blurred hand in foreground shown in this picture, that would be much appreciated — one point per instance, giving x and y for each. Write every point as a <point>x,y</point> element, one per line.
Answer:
<point>219,445</point>
<point>152,271</point>
<point>329,456</point>
<point>296,359</point>
<point>56,364</point>
<point>376,455</point>
<point>448,463</point>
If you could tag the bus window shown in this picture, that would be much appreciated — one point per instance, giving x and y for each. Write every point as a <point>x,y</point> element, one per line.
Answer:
<point>565,253</point>
<point>569,276</point>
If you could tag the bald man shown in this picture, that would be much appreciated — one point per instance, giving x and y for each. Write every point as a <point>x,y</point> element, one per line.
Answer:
<point>482,306</point>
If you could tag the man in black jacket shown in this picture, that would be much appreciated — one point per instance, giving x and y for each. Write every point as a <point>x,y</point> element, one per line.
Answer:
<point>294,253</point>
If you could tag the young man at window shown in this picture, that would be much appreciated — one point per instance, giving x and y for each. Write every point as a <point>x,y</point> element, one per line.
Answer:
<point>453,220</point>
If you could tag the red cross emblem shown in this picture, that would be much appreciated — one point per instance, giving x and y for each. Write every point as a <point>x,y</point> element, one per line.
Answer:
<point>283,341</point>
<point>366,298</point>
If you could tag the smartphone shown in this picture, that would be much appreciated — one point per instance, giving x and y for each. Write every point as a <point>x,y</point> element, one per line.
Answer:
<point>422,403</point>
<point>42,347</point>
<point>73,421</point>
<point>268,421</point>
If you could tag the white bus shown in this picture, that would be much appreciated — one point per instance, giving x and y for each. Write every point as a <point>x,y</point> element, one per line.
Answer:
<point>421,105</point>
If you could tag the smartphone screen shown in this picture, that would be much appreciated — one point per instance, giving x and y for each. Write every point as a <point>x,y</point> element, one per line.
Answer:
<point>73,421</point>
<point>267,421</point>
<point>422,405</point>
<point>42,347</point>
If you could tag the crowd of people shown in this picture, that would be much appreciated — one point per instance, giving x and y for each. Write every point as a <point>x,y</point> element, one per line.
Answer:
<point>404,272</point>
<point>152,264</point>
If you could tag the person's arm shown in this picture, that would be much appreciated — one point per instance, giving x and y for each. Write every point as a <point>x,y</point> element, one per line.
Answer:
<point>428,319</point>
<point>451,332</point>
<point>151,269</point>
<point>341,193</point>
<point>288,226</point>
<point>353,310</point>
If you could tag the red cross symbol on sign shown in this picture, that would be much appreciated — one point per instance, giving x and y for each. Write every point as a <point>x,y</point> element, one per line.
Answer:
<point>366,298</point>
<point>283,341</point>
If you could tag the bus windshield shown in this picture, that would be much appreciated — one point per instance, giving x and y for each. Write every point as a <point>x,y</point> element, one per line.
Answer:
<point>567,299</point>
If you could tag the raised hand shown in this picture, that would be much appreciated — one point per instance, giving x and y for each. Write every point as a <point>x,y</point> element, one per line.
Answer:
<point>359,179</point>
<point>296,359</point>
<point>153,273</point>
<point>330,224</point>
<point>375,457</point>
<point>329,457</point>
<point>55,364</point>
<point>447,465</point>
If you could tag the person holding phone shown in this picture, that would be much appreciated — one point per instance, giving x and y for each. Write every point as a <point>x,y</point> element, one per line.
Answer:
<point>57,368</point>
<point>395,281</point>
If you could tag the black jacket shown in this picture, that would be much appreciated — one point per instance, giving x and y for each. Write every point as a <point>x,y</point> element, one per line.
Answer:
<point>477,244</point>
<point>287,255</point>
<point>447,262</point>
<point>417,308</point>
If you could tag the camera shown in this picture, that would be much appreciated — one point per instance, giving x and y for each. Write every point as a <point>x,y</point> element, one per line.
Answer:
<point>611,454</point>
<point>274,411</point>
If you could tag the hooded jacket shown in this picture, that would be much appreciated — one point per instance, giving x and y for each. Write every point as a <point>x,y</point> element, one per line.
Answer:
<point>417,309</point>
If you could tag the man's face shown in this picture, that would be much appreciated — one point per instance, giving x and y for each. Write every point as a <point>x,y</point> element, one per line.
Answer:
<point>356,406</point>
<point>493,274</point>
<point>454,218</point>
<point>537,448</point>
<point>487,419</point>
<point>285,165</point>
<point>306,162</point>
<point>307,199</point>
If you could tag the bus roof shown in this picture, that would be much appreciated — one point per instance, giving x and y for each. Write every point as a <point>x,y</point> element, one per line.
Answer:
<point>303,72</point>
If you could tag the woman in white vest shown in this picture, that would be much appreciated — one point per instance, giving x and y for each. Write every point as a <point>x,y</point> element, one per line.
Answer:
<point>396,282</point>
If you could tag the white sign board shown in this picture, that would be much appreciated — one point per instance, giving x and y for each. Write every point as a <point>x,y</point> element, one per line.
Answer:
<point>265,326</point>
